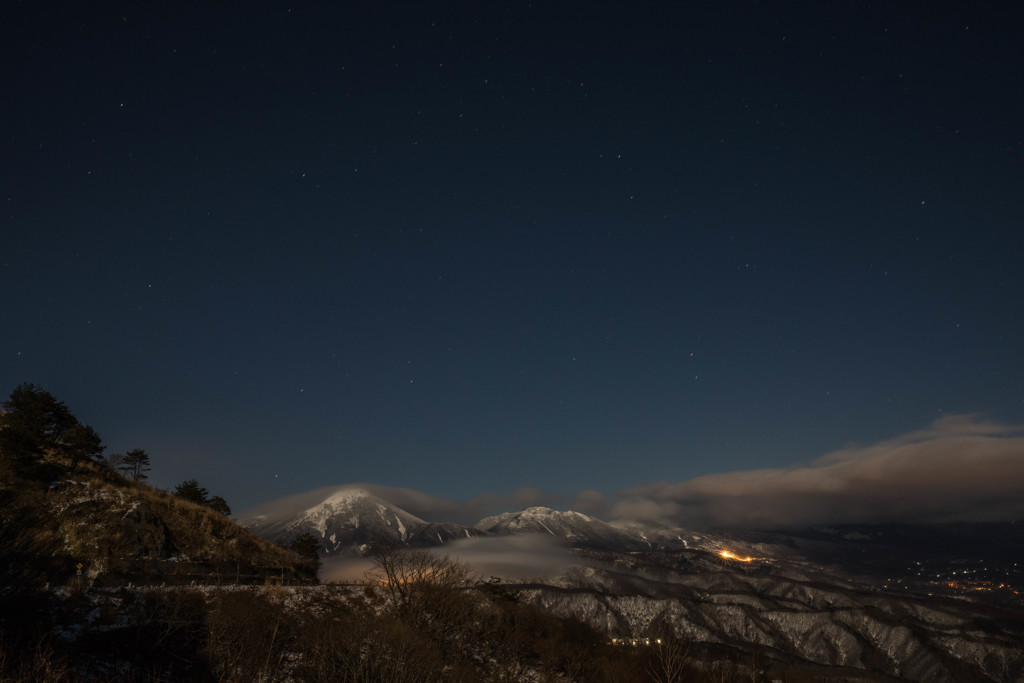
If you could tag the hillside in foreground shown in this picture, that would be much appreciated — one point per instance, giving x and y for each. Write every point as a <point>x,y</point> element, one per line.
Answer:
<point>67,512</point>
<point>104,578</point>
<point>93,522</point>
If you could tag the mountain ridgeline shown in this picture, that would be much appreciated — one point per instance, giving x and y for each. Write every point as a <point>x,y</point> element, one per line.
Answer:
<point>352,521</point>
<point>103,577</point>
<point>855,602</point>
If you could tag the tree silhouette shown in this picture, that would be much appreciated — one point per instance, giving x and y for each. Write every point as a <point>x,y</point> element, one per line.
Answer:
<point>135,464</point>
<point>305,545</point>
<point>191,490</point>
<point>114,460</point>
<point>81,442</point>
<point>219,505</point>
<point>39,435</point>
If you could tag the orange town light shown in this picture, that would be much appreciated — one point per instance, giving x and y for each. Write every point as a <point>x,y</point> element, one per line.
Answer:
<point>729,556</point>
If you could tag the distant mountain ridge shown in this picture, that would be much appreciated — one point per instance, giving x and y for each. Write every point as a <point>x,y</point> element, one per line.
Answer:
<point>575,528</point>
<point>351,520</point>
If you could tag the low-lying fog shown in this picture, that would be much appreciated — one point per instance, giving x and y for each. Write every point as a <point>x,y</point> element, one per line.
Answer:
<point>518,557</point>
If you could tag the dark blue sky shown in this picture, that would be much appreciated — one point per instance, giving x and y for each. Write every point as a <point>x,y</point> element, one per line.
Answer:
<point>477,247</point>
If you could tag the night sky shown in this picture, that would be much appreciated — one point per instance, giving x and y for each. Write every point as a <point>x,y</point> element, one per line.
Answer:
<point>470,248</point>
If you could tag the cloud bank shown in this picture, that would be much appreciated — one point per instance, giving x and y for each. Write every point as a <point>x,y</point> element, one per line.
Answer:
<point>521,557</point>
<point>961,468</point>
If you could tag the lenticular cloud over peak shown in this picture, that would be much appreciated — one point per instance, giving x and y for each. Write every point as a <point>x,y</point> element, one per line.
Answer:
<point>959,468</point>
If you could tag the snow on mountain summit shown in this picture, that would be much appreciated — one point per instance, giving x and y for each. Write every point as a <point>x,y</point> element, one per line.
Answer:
<point>575,528</point>
<point>359,507</point>
<point>342,517</point>
<point>533,519</point>
<point>348,519</point>
<point>352,519</point>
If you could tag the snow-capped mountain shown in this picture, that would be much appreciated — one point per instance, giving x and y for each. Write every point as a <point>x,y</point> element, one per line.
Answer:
<point>891,601</point>
<point>574,528</point>
<point>349,519</point>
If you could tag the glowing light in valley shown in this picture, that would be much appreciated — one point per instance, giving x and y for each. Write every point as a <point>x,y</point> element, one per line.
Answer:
<point>729,556</point>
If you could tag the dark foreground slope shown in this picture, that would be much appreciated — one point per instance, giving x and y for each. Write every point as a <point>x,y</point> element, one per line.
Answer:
<point>420,619</point>
<point>93,522</point>
<point>83,527</point>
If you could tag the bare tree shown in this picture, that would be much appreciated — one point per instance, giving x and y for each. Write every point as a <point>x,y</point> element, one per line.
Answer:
<point>670,654</point>
<point>407,576</point>
<point>430,593</point>
<point>114,460</point>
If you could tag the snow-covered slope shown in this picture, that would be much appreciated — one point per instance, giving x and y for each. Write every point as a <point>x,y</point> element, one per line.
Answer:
<point>574,528</point>
<point>661,536</point>
<point>818,623</point>
<point>349,519</point>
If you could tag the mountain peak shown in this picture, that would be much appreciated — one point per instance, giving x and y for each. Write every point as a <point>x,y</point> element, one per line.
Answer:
<point>348,497</point>
<point>574,528</point>
<point>540,511</point>
<point>351,519</point>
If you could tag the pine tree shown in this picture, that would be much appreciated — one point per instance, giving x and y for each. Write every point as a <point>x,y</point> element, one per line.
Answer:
<point>191,490</point>
<point>81,442</point>
<point>135,464</point>
<point>38,433</point>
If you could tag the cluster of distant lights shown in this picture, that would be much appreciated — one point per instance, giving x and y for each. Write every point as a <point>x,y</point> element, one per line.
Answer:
<point>968,585</point>
<point>970,580</point>
<point>636,642</point>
